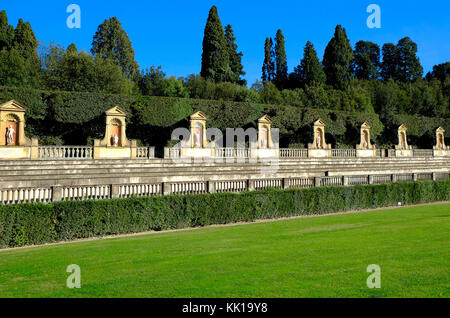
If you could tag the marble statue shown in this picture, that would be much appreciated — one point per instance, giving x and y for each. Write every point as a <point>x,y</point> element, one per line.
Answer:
<point>10,135</point>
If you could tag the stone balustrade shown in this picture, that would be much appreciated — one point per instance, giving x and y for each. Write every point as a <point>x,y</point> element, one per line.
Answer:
<point>293,153</point>
<point>26,195</point>
<point>232,152</point>
<point>101,192</point>
<point>343,153</point>
<point>65,152</point>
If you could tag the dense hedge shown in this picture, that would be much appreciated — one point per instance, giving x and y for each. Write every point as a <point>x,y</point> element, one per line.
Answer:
<point>39,223</point>
<point>76,118</point>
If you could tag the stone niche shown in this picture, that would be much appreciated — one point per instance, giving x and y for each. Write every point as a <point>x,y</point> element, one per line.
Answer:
<point>319,148</point>
<point>266,146</point>
<point>403,149</point>
<point>115,144</point>
<point>365,148</point>
<point>13,142</point>
<point>197,145</point>
<point>440,149</point>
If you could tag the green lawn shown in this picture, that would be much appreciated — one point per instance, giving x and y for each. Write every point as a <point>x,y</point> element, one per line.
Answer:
<point>304,257</point>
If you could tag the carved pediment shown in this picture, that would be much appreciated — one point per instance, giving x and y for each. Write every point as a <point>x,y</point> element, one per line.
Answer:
<point>12,106</point>
<point>319,122</point>
<point>440,130</point>
<point>198,116</point>
<point>365,125</point>
<point>115,111</point>
<point>265,120</point>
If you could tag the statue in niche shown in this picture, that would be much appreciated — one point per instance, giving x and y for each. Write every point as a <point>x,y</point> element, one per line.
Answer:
<point>402,140</point>
<point>115,140</point>
<point>264,138</point>
<point>365,140</point>
<point>10,135</point>
<point>197,137</point>
<point>440,142</point>
<point>319,139</point>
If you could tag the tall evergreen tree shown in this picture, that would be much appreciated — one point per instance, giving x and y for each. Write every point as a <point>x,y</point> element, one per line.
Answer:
<point>25,41</point>
<point>6,32</point>
<point>281,73</point>
<point>268,68</point>
<point>215,56</point>
<point>235,57</point>
<point>367,60</point>
<point>111,41</point>
<point>390,63</point>
<point>409,68</point>
<point>3,29</point>
<point>72,49</point>
<point>337,59</point>
<point>310,71</point>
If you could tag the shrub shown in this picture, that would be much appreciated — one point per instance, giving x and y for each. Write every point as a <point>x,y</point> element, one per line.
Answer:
<point>39,223</point>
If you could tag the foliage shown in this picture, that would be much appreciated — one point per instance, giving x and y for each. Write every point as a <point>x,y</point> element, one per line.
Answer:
<point>38,223</point>
<point>112,42</point>
<point>281,70</point>
<point>310,71</point>
<point>215,55</point>
<point>337,59</point>
<point>235,57</point>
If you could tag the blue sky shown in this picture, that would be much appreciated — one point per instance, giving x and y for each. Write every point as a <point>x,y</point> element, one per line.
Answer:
<point>169,33</point>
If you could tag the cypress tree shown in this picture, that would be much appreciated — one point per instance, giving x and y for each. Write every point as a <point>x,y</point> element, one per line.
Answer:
<point>215,55</point>
<point>367,60</point>
<point>337,59</point>
<point>72,49</point>
<point>281,73</point>
<point>25,41</point>
<point>111,41</point>
<point>234,56</point>
<point>389,64</point>
<point>6,32</point>
<point>3,29</point>
<point>409,68</point>
<point>268,68</point>
<point>310,71</point>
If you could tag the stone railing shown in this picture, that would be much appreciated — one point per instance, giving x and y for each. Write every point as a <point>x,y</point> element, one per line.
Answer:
<point>172,152</point>
<point>65,152</point>
<point>101,192</point>
<point>189,188</point>
<point>293,153</point>
<point>145,152</point>
<point>139,190</point>
<point>343,153</point>
<point>232,152</point>
<point>77,193</point>
<point>381,153</point>
<point>26,195</point>
<point>231,186</point>
<point>423,152</point>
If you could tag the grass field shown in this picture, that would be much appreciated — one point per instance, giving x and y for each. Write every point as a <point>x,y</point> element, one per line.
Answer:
<point>304,257</point>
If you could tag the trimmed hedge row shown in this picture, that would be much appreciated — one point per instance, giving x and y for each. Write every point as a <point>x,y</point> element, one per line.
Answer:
<point>41,223</point>
<point>75,118</point>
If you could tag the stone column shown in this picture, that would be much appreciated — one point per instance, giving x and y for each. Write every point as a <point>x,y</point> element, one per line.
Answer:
<point>251,185</point>
<point>211,186</point>
<point>115,191</point>
<point>285,183</point>
<point>317,181</point>
<point>56,194</point>
<point>166,188</point>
